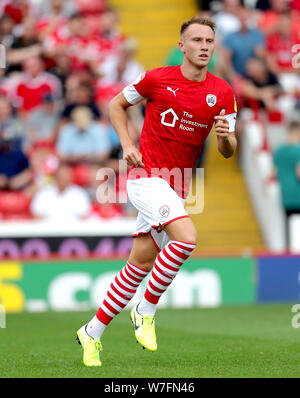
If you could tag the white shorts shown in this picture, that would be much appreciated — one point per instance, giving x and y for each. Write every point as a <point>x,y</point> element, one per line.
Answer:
<point>157,204</point>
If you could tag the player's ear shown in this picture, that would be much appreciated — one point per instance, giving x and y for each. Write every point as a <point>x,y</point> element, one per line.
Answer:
<point>181,46</point>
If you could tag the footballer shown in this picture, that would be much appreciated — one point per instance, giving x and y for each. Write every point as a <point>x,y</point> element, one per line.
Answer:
<point>182,104</point>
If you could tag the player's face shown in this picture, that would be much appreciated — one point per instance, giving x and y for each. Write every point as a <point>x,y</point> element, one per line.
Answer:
<point>198,44</point>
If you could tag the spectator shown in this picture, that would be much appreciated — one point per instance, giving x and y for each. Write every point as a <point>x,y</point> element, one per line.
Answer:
<point>268,20</point>
<point>23,47</point>
<point>279,46</point>
<point>61,200</point>
<point>54,16</point>
<point>227,20</point>
<point>82,96</point>
<point>116,72</point>
<point>71,39</point>
<point>107,39</point>
<point>83,140</point>
<point>121,67</point>
<point>15,171</point>
<point>287,163</point>
<point>34,84</point>
<point>10,126</point>
<point>239,47</point>
<point>109,28</point>
<point>260,85</point>
<point>6,31</point>
<point>53,108</point>
<point>61,70</point>
<point>43,121</point>
<point>280,61</point>
<point>44,162</point>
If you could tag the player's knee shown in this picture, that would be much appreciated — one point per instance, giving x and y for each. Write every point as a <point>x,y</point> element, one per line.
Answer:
<point>191,239</point>
<point>145,266</point>
<point>190,236</point>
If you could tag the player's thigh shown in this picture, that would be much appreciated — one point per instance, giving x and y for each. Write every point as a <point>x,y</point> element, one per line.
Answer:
<point>182,229</point>
<point>143,252</point>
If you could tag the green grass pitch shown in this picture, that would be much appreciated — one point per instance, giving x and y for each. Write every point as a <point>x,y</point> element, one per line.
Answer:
<point>246,341</point>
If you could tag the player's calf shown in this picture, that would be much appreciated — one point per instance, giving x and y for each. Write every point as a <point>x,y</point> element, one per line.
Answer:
<point>166,267</point>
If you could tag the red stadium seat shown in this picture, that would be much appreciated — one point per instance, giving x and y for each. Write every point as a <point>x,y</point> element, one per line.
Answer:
<point>108,210</point>
<point>81,175</point>
<point>14,205</point>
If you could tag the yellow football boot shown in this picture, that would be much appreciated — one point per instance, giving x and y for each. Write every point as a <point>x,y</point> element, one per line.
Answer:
<point>91,348</point>
<point>144,329</point>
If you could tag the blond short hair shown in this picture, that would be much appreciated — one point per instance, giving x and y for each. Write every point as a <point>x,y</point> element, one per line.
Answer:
<point>199,20</point>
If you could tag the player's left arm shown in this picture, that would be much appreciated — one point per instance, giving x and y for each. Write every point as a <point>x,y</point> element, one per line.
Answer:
<point>227,142</point>
<point>225,125</point>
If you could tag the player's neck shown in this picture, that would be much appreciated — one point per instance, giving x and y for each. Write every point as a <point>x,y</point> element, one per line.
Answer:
<point>191,73</point>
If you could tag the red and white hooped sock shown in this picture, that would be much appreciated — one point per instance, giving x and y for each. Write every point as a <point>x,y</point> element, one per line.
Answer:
<point>120,292</point>
<point>166,267</point>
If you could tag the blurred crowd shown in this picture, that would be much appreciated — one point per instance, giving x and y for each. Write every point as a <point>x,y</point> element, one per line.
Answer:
<point>65,60</point>
<point>258,53</point>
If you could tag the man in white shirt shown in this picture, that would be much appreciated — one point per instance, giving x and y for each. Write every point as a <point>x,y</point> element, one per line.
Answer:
<point>62,200</point>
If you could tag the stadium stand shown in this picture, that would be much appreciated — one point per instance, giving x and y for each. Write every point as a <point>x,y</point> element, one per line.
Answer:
<point>265,77</point>
<point>67,59</point>
<point>55,85</point>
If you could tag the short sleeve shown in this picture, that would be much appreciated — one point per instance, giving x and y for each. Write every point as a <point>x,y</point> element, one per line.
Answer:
<point>140,89</point>
<point>230,106</point>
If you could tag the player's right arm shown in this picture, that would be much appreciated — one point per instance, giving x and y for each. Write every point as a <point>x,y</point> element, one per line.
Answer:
<point>119,120</point>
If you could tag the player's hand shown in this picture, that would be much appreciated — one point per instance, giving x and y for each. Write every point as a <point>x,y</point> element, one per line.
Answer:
<point>133,156</point>
<point>222,125</point>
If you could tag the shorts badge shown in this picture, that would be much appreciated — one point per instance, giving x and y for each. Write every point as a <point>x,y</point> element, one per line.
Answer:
<point>164,211</point>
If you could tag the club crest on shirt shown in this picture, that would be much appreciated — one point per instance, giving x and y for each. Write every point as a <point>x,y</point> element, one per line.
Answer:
<point>164,210</point>
<point>211,100</point>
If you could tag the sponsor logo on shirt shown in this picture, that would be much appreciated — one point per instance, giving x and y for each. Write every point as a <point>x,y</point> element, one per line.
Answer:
<point>188,124</point>
<point>173,91</point>
<point>169,118</point>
